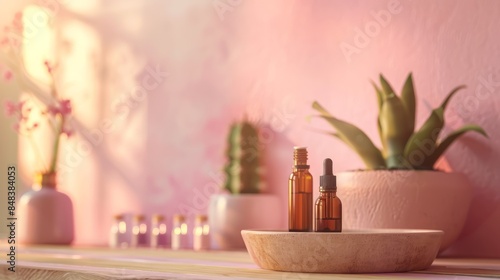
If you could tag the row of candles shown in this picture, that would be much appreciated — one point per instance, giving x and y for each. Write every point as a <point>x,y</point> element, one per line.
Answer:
<point>136,233</point>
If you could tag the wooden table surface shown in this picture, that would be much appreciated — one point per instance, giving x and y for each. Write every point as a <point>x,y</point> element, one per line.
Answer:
<point>42,262</point>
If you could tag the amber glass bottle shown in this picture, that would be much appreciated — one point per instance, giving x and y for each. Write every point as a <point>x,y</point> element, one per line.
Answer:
<point>300,190</point>
<point>328,206</point>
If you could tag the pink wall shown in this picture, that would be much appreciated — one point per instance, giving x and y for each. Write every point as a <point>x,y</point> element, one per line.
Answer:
<point>269,60</point>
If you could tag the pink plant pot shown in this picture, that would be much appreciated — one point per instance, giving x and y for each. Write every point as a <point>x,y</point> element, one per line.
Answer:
<point>405,199</point>
<point>229,214</point>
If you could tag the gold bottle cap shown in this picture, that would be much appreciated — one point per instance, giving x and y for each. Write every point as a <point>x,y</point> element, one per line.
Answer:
<point>179,218</point>
<point>300,157</point>
<point>139,217</point>
<point>201,218</point>
<point>158,217</point>
<point>118,217</point>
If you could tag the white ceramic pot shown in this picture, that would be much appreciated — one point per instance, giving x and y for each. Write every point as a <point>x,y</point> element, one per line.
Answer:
<point>229,214</point>
<point>405,199</point>
<point>45,214</point>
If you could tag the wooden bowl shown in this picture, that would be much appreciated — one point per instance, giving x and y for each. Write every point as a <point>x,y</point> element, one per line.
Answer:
<point>356,251</point>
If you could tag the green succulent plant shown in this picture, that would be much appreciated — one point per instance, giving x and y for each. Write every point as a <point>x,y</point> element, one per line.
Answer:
<point>243,159</point>
<point>403,147</point>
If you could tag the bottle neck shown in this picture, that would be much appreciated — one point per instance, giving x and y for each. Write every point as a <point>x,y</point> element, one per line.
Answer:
<point>46,180</point>
<point>301,168</point>
<point>325,192</point>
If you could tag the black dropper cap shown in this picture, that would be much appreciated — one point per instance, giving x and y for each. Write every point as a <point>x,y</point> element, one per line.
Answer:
<point>327,181</point>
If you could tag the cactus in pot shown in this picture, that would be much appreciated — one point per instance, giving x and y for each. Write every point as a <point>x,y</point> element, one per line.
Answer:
<point>401,143</point>
<point>243,159</point>
<point>245,207</point>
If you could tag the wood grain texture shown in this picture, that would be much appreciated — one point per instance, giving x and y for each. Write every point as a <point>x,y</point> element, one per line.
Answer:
<point>46,263</point>
<point>31,273</point>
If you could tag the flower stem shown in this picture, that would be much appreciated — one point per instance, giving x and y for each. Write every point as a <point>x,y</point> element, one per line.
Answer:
<point>37,151</point>
<point>55,152</point>
<point>50,122</point>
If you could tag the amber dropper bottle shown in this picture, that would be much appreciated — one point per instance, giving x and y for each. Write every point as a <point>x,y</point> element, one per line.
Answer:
<point>328,205</point>
<point>300,193</point>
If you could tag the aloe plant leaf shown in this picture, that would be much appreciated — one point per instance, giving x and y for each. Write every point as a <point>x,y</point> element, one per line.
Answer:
<point>380,95</point>
<point>358,141</point>
<point>423,142</point>
<point>394,129</point>
<point>336,135</point>
<point>354,138</point>
<point>386,87</point>
<point>450,95</point>
<point>443,145</point>
<point>408,99</point>
<point>380,101</point>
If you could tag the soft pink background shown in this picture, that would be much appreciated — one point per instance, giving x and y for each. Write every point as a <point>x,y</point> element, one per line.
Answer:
<point>164,150</point>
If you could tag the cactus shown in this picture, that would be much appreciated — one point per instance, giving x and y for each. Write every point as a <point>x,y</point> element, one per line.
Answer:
<point>243,159</point>
<point>402,146</point>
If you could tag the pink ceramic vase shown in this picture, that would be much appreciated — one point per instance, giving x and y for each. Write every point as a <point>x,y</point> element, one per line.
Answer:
<point>230,214</point>
<point>45,214</point>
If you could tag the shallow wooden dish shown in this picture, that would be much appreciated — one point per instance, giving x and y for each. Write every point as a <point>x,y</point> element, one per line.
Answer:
<point>359,251</point>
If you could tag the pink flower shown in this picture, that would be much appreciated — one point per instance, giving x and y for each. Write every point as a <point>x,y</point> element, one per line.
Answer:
<point>5,41</point>
<point>16,127</point>
<point>10,108</point>
<point>7,75</point>
<point>48,66</point>
<point>17,23</point>
<point>53,110</point>
<point>65,107</point>
<point>67,131</point>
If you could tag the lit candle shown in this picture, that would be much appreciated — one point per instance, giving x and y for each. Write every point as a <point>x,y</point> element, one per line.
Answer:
<point>158,231</point>
<point>139,231</point>
<point>179,233</point>
<point>118,232</point>
<point>201,231</point>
